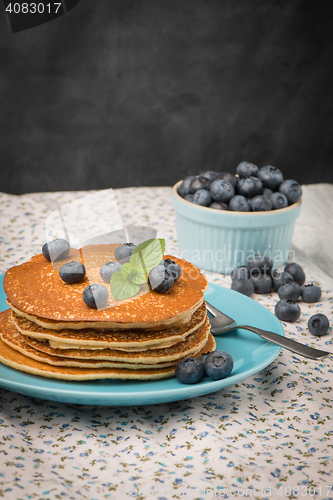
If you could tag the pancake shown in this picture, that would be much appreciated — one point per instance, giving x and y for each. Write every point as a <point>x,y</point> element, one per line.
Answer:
<point>18,360</point>
<point>35,288</point>
<point>76,357</point>
<point>133,339</point>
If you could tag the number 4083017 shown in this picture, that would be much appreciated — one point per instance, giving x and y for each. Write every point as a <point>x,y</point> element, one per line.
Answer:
<point>33,8</point>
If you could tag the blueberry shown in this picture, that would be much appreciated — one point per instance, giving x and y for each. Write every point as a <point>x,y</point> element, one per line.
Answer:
<point>239,272</point>
<point>318,324</point>
<point>278,200</point>
<point>262,283</point>
<point>218,365</point>
<point>290,291</point>
<point>160,279</point>
<point>271,177</point>
<point>56,249</point>
<point>259,264</point>
<point>218,205</point>
<point>190,370</point>
<point>296,271</point>
<point>123,252</point>
<point>239,203</point>
<point>226,176</point>
<point>95,295</point>
<point>260,203</point>
<point>246,169</point>
<point>188,197</point>
<point>267,192</point>
<point>280,278</point>
<point>184,188</point>
<point>292,190</point>
<point>249,187</point>
<point>173,268</point>
<point>107,270</point>
<point>311,293</point>
<point>222,190</point>
<point>244,286</point>
<point>202,197</point>
<point>72,272</point>
<point>209,174</point>
<point>199,182</point>
<point>287,310</point>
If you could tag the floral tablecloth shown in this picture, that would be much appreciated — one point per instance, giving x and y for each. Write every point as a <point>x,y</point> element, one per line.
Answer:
<point>269,436</point>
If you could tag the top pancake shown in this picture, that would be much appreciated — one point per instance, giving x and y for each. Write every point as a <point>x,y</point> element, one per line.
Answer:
<point>35,288</point>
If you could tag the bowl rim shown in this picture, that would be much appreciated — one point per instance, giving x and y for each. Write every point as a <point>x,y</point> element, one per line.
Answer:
<point>232,213</point>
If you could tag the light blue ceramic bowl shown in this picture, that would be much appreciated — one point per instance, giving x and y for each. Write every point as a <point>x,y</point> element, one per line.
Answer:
<point>220,240</point>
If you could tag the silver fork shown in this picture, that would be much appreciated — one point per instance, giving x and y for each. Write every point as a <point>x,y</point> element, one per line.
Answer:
<point>221,323</point>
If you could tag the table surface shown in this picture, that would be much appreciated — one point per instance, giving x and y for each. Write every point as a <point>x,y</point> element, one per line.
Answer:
<point>269,436</point>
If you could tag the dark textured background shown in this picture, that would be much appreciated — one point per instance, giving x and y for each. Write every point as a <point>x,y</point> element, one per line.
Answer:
<point>141,93</point>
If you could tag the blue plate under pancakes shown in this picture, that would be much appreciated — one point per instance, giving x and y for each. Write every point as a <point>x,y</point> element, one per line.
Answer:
<point>249,352</point>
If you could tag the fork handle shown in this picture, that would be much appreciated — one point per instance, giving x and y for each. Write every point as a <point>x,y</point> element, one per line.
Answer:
<point>291,345</point>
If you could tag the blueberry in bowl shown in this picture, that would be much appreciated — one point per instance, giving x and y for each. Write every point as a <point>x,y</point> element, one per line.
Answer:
<point>219,236</point>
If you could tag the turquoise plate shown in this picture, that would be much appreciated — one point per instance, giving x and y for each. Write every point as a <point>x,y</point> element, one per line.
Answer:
<point>250,354</point>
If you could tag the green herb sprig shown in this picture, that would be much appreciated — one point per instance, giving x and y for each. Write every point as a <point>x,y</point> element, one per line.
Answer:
<point>126,283</point>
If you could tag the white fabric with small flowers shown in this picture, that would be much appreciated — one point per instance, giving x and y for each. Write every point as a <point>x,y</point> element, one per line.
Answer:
<point>269,436</point>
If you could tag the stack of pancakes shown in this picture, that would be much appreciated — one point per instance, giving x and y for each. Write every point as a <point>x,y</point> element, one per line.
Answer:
<point>50,331</point>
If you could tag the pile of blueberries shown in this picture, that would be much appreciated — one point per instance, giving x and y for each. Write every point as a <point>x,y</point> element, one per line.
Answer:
<point>160,278</point>
<point>251,189</point>
<point>257,276</point>
<point>216,364</point>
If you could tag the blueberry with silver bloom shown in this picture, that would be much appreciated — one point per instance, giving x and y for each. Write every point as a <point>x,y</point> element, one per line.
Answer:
<point>124,252</point>
<point>202,197</point>
<point>296,271</point>
<point>95,296</point>
<point>280,278</point>
<point>222,190</point>
<point>249,187</point>
<point>311,293</point>
<point>278,200</point>
<point>246,169</point>
<point>72,272</point>
<point>290,291</point>
<point>57,249</point>
<point>184,188</point>
<point>262,283</point>
<point>239,203</point>
<point>260,203</point>
<point>244,286</point>
<point>218,365</point>
<point>227,176</point>
<point>239,272</point>
<point>287,310</point>
<point>291,189</point>
<point>173,268</point>
<point>199,182</point>
<point>267,192</point>
<point>160,279</point>
<point>318,324</point>
<point>107,270</point>
<point>190,370</point>
<point>259,264</point>
<point>218,205</point>
<point>271,177</point>
<point>209,174</point>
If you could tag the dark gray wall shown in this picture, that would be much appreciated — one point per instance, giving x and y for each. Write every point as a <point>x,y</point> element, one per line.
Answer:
<point>133,93</point>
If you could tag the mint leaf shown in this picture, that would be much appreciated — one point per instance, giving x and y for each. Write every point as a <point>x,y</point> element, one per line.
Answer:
<point>147,255</point>
<point>122,288</point>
